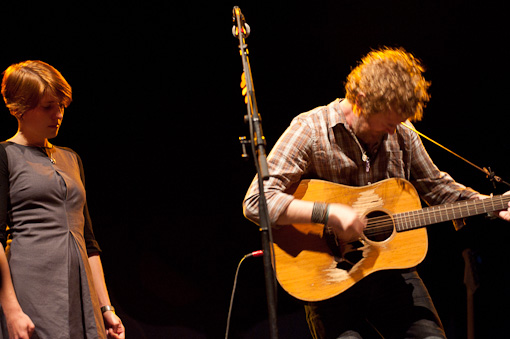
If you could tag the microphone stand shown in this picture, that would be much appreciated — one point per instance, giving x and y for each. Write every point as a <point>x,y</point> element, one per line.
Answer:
<point>487,170</point>
<point>258,143</point>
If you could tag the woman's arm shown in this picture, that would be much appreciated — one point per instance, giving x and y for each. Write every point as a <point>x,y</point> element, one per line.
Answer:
<point>114,327</point>
<point>19,324</point>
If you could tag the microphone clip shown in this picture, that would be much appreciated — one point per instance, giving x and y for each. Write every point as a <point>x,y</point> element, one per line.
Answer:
<point>239,21</point>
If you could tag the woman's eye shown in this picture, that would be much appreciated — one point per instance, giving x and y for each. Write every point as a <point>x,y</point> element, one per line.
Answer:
<point>49,107</point>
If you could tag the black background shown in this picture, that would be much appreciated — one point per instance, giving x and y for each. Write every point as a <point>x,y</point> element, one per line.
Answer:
<point>158,110</point>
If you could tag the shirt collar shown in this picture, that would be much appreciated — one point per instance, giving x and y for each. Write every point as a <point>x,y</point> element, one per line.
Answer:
<point>336,116</point>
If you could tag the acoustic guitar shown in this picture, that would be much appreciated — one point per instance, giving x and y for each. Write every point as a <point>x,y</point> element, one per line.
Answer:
<point>311,265</point>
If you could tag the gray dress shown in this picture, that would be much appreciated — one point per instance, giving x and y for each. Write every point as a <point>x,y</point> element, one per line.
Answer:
<point>50,238</point>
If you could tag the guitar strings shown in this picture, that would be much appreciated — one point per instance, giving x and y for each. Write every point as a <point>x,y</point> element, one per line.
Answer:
<point>434,214</point>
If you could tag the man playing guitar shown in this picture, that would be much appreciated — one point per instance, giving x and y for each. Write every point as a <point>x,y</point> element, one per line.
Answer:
<point>361,141</point>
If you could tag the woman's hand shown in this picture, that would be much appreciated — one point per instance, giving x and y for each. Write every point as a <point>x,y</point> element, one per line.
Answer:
<point>113,324</point>
<point>19,325</point>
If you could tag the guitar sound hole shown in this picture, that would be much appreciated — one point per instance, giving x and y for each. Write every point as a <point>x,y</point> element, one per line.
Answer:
<point>379,226</point>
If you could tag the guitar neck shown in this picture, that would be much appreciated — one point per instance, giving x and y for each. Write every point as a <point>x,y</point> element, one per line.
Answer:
<point>440,213</point>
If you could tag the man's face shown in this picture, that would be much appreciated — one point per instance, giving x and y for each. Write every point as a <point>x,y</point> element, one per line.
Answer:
<point>380,124</point>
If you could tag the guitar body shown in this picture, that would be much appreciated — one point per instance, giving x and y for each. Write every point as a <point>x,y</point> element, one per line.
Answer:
<point>307,266</point>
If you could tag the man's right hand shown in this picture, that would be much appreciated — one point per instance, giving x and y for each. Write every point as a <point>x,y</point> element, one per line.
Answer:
<point>345,223</point>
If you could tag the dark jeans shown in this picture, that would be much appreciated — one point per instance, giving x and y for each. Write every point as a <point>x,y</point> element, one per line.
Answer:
<point>386,304</point>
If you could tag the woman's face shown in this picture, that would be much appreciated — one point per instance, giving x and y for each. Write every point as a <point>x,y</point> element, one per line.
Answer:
<point>43,121</point>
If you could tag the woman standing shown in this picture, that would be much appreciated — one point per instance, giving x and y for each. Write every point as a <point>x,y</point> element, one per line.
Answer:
<point>52,283</point>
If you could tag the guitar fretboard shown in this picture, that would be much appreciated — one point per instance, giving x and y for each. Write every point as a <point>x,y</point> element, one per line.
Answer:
<point>461,209</point>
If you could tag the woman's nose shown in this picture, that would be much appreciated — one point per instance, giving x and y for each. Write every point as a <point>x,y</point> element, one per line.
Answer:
<point>59,113</point>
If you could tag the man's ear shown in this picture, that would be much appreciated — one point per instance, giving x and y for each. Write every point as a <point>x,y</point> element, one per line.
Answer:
<point>356,107</point>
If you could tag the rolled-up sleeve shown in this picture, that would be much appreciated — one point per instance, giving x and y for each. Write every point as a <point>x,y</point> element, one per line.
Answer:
<point>287,162</point>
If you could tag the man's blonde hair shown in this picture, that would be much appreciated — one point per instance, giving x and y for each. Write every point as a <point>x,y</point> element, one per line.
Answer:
<point>25,83</point>
<point>388,79</point>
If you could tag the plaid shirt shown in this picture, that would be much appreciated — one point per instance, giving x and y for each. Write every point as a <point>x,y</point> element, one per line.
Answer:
<point>318,144</point>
